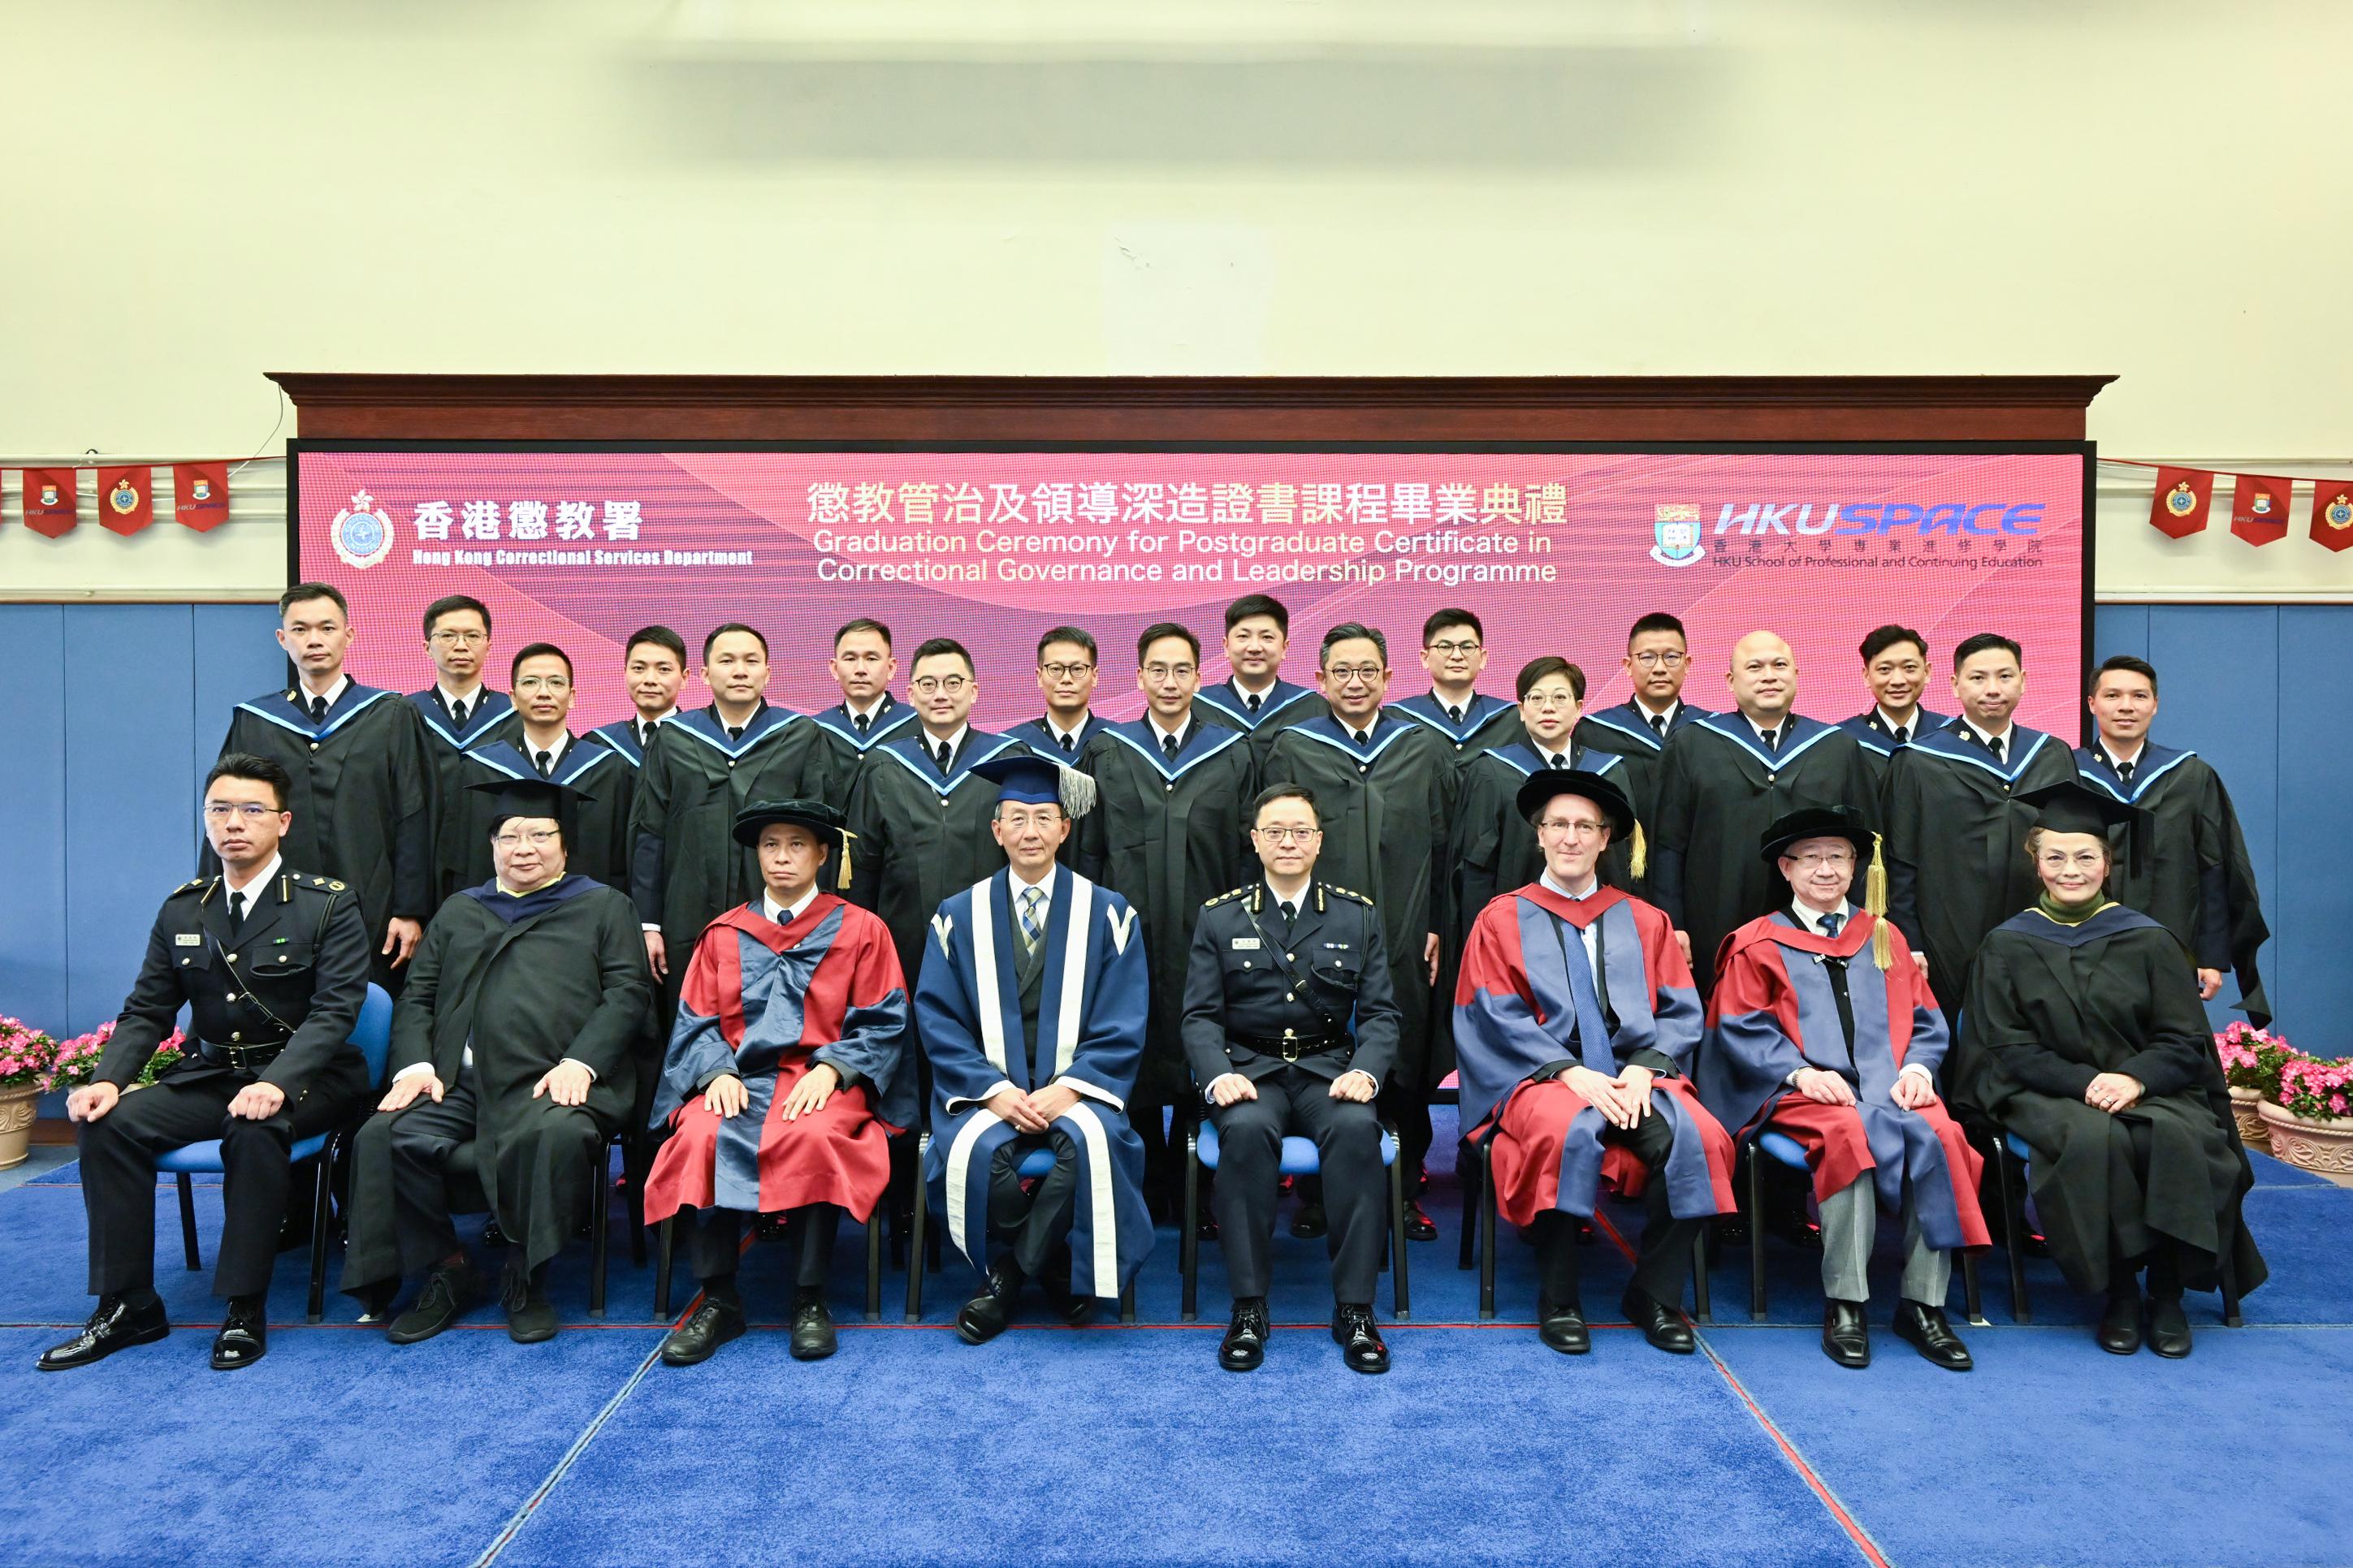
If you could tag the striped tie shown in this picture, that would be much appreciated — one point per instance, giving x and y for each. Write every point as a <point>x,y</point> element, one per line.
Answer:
<point>1030,930</point>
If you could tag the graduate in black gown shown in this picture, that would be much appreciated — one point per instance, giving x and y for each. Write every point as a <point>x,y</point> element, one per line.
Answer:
<point>1067,673</point>
<point>519,1041</point>
<point>1385,789</point>
<point>654,669</point>
<point>1454,652</point>
<point>2193,876</point>
<point>603,781</point>
<point>2084,1037</point>
<point>1896,666</point>
<point>1170,832</point>
<point>1658,659</point>
<point>363,790</point>
<point>863,667</point>
<point>1255,699</point>
<point>459,712</point>
<point>1956,828</point>
<point>1726,778</point>
<point>703,767</point>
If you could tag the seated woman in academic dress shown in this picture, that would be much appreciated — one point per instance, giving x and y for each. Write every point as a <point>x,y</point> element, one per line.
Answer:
<point>2083,1035</point>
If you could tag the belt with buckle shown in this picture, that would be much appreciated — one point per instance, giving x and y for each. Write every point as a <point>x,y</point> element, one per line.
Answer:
<point>1290,1045</point>
<point>243,1058</point>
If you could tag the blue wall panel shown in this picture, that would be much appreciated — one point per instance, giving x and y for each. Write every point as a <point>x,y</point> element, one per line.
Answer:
<point>32,847</point>
<point>2310,981</point>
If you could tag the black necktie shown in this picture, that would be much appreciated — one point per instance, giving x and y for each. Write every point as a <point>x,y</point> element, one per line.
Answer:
<point>1560,759</point>
<point>1659,725</point>
<point>1772,735</point>
<point>1901,735</point>
<point>1453,713</point>
<point>734,731</point>
<point>1168,744</point>
<point>546,759</point>
<point>1993,744</point>
<point>458,714</point>
<point>236,910</point>
<point>1364,737</point>
<point>1251,701</point>
<point>945,754</point>
<point>2124,774</point>
<point>318,711</point>
<point>1070,742</point>
<point>1290,913</point>
<point>861,721</point>
<point>645,734</point>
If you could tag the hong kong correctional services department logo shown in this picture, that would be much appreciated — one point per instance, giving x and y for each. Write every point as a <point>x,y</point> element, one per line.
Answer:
<point>362,532</point>
<point>123,498</point>
<point>2339,512</point>
<point>2181,500</point>
<point>1676,535</point>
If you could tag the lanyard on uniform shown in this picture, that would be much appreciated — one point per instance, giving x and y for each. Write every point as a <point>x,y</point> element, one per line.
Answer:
<point>1299,986</point>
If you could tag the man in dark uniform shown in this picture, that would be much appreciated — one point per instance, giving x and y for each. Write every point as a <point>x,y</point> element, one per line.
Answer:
<point>273,967</point>
<point>1658,659</point>
<point>654,668</point>
<point>1255,699</point>
<point>1896,666</point>
<point>1290,1024</point>
<point>1067,673</point>
<point>863,667</point>
<point>459,712</point>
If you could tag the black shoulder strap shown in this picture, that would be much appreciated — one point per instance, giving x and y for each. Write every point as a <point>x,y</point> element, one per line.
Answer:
<point>1299,986</point>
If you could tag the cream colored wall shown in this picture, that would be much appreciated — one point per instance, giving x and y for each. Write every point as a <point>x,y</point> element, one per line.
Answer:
<point>213,189</point>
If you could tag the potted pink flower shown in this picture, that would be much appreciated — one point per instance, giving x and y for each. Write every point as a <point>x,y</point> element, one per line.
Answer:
<point>2310,1115</point>
<point>28,1058</point>
<point>2251,1059</point>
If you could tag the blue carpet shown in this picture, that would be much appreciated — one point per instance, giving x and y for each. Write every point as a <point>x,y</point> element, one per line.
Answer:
<point>2054,1453</point>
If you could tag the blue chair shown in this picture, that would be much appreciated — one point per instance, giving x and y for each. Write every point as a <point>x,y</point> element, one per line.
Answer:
<point>1034,1164</point>
<point>373,1034</point>
<point>1299,1158</point>
<point>2009,1147</point>
<point>1787,1153</point>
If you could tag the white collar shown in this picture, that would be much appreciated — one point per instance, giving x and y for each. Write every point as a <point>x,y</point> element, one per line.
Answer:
<point>1668,713</point>
<point>1469,700</point>
<point>1554,884</point>
<point>1061,735</point>
<point>1044,884</point>
<point>954,743</point>
<point>638,721</point>
<point>1300,895</point>
<point>1778,725</point>
<point>2108,749</point>
<point>1891,724</point>
<point>333,694</point>
<point>524,744</point>
<point>1547,751</point>
<point>783,917</point>
<point>1245,693</point>
<point>1184,725</point>
<point>259,878</point>
<point>472,699</point>
<point>871,709</point>
<point>1810,918</point>
<point>1987,735</point>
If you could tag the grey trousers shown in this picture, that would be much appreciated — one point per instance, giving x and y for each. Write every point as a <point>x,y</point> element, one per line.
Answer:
<point>1850,1227</point>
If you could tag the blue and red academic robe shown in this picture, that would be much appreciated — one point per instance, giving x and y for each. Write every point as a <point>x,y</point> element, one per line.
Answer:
<point>1514,1015</point>
<point>1093,995</point>
<point>1773,1012</point>
<point>766,1003</point>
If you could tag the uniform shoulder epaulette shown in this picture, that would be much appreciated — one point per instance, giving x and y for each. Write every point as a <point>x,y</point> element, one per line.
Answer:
<point>1348,893</point>
<point>318,884</point>
<point>1224,897</point>
<point>191,885</point>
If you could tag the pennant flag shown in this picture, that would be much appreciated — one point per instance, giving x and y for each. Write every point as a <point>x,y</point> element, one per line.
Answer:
<point>2259,509</point>
<point>126,499</point>
<point>49,500</point>
<point>2332,513</point>
<point>200,495</point>
<point>2183,496</point>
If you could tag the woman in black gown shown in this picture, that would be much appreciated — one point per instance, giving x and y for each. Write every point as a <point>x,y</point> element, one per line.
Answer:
<point>2083,1035</point>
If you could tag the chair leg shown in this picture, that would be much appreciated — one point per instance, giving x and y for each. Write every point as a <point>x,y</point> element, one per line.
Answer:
<point>2231,1318</point>
<point>2013,1208</point>
<point>1700,1308</point>
<point>1486,1235</point>
<point>1400,1297</point>
<point>1188,1246</point>
<point>1466,1171</point>
<point>662,1258</point>
<point>1972,1293</point>
<point>188,1223</point>
<point>634,1167</point>
<point>916,1238</point>
<point>1755,1233</point>
<point>874,1263</point>
<point>1127,1302</point>
<point>315,1307</point>
<point>600,1235</point>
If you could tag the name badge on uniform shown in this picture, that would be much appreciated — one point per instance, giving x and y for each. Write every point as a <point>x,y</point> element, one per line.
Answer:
<point>1337,946</point>
<point>1246,945</point>
<point>188,939</point>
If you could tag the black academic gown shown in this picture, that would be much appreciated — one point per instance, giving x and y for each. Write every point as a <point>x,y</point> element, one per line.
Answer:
<point>362,803</point>
<point>1281,706</point>
<point>2193,876</point>
<point>1487,723</point>
<point>2049,1006</point>
<point>1956,843</point>
<point>1719,790</point>
<point>598,846</point>
<point>1169,835</point>
<point>1624,732</point>
<point>685,865</point>
<point>921,835</point>
<point>1384,808</point>
<point>842,747</point>
<point>568,980</point>
<point>490,718</point>
<point>1878,742</point>
<point>1494,849</point>
<point>1039,737</point>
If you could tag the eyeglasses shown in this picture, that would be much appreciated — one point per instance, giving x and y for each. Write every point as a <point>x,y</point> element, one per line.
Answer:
<point>544,683</point>
<point>1545,700</point>
<point>2081,860</point>
<point>931,685</point>
<point>1451,646</point>
<point>1836,859</point>
<point>538,838</point>
<point>1065,671</point>
<point>1669,660</point>
<point>1346,674</point>
<point>467,640</point>
<point>1018,820</point>
<point>1569,827</point>
<point>225,810</point>
<point>1288,835</point>
<point>1170,671</point>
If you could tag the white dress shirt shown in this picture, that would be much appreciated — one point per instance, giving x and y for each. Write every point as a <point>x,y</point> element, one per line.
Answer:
<point>333,694</point>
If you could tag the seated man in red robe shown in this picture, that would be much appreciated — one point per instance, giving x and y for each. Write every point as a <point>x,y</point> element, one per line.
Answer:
<point>1574,1020</point>
<point>788,1072</point>
<point>1840,1054</point>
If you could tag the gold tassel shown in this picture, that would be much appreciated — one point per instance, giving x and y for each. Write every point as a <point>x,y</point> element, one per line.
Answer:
<point>1638,864</point>
<point>842,880</point>
<point>1874,899</point>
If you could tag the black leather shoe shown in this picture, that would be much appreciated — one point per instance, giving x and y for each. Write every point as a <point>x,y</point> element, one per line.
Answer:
<point>1309,1222</point>
<point>712,1324</point>
<point>983,1317</point>
<point>1244,1346</point>
<point>530,1316</point>
<point>447,1293</point>
<point>1926,1329</point>
<point>2169,1328</point>
<point>1562,1328</point>
<point>1418,1227</point>
<point>244,1337</point>
<point>2119,1329</point>
<point>1662,1326</point>
<point>112,1327</point>
<point>492,1235</point>
<point>1359,1339</point>
<point>1207,1230</point>
<point>813,1335</point>
<point>1846,1333</point>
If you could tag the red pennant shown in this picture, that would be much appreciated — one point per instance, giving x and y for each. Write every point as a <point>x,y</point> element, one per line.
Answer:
<point>49,500</point>
<point>200,495</point>
<point>2259,509</point>
<point>2332,513</point>
<point>126,498</point>
<point>2183,496</point>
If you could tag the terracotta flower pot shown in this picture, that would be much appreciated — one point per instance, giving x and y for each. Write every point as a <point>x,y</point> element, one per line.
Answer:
<point>2315,1143</point>
<point>2246,1109</point>
<point>16,1124</point>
